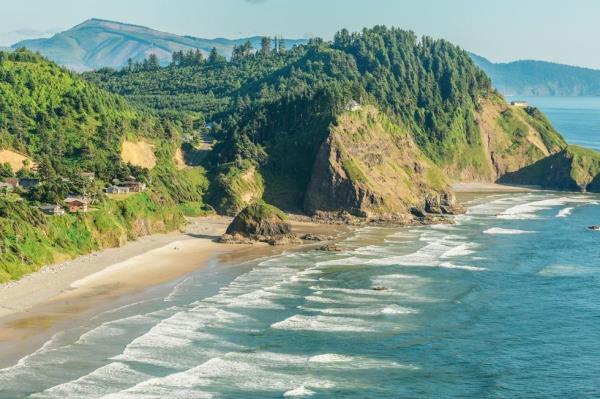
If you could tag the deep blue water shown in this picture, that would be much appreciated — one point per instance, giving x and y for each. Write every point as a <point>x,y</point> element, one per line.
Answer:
<point>576,118</point>
<point>504,304</point>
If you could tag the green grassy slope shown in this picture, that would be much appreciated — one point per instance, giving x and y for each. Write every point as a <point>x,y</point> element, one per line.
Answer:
<point>67,126</point>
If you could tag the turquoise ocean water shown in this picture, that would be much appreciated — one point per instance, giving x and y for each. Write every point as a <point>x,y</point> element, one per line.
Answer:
<point>503,304</point>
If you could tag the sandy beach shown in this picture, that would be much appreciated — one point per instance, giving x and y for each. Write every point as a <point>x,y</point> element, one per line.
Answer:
<point>490,188</point>
<point>41,303</point>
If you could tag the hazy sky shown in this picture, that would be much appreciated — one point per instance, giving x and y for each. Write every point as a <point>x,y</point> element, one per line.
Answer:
<point>502,30</point>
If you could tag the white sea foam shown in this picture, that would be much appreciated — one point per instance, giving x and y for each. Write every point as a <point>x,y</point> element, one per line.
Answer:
<point>565,212</point>
<point>449,265</point>
<point>330,358</point>
<point>397,309</point>
<point>562,271</point>
<point>529,210</point>
<point>323,324</point>
<point>297,392</point>
<point>501,231</point>
<point>104,380</point>
<point>460,250</point>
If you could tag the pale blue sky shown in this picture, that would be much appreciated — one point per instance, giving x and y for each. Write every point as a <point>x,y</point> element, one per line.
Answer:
<point>502,30</point>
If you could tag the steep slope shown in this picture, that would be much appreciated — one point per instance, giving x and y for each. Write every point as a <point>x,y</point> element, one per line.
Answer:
<point>511,138</point>
<point>540,78</point>
<point>369,166</point>
<point>277,113</point>
<point>98,43</point>
<point>573,169</point>
<point>66,127</point>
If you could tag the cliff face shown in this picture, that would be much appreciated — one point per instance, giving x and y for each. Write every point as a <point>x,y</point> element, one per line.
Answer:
<point>572,169</point>
<point>510,138</point>
<point>370,166</point>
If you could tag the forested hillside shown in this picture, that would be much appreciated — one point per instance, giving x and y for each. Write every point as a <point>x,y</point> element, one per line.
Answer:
<point>71,134</point>
<point>275,109</point>
<point>541,78</point>
<point>375,124</point>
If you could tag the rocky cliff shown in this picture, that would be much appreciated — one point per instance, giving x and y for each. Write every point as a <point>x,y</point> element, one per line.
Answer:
<point>371,167</point>
<point>573,169</point>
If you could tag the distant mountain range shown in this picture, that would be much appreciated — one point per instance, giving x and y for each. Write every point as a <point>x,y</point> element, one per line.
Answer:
<point>540,78</point>
<point>98,43</point>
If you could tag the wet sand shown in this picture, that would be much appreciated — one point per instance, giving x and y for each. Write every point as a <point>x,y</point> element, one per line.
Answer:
<point>58,296</point>
<point>490,188</point>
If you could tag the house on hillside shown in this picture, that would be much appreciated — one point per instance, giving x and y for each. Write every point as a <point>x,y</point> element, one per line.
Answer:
<point>52,209</point>
<point>519,104</point>
<point>134,186</point>
<point>76,204</point>
<point>117,190</point>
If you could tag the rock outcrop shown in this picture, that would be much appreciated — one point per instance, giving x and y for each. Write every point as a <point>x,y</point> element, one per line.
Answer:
<point>260,222</point>
<point>572,169</point>
<point>371,168</point>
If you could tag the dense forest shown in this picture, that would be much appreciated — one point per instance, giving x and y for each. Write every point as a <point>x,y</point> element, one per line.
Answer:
<point>68,128</point>
<point>416,112</point>
<point>541,78</point>
<point>274,107</point>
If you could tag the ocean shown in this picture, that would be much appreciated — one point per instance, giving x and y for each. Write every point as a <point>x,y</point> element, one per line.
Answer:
<point>502,304</point>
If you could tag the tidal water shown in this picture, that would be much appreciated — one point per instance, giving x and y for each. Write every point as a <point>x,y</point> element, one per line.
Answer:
<point>503,304</point>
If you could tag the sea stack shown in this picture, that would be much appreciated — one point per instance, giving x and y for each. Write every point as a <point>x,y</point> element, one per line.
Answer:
<point>260,222</point>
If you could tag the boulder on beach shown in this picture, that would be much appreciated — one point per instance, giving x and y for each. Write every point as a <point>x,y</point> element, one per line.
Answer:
<point>260,222</point>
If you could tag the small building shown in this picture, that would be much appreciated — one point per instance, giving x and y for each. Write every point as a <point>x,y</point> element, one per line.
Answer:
<point>353,106</point>
<point>117,190</point>
<point>134,186</point>
<point>28,184</point>
<point>75,204</point>
<point>52,209</point>
<point>519,104</point>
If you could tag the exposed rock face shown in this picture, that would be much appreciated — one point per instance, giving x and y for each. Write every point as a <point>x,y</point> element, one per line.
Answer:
<point>260,222</point>
<point>370,168</point>
<point>572,169</point>
<point>510,138</point>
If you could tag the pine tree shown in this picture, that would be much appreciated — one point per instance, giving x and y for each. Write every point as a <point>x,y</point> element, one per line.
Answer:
<point>213,57</point>
<point>265,45</point>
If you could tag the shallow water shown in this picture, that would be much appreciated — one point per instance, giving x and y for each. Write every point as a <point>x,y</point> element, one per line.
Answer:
<point>502,304</point>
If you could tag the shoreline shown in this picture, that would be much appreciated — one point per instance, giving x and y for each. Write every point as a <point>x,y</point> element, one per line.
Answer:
<point>491,188</point>
<point>59,296</point>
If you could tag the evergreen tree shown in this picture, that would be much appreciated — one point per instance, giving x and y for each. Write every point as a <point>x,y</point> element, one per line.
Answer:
<point>265,45</point>
<point>213,57</point>
<point>153,63</point>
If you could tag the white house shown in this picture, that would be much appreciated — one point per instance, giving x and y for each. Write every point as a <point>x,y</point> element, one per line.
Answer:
<point>117,190</point>
<point>519,104</point>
